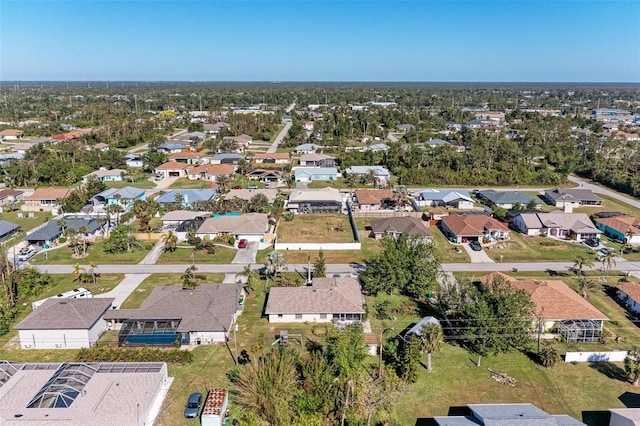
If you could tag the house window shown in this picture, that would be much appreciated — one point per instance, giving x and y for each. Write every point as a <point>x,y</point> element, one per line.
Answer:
<point>279,315</point>
<point>323,316</point>
<point>298,316</point>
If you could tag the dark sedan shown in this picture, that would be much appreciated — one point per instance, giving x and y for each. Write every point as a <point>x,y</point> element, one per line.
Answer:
<point>475,245</point>
<point>192,409</point>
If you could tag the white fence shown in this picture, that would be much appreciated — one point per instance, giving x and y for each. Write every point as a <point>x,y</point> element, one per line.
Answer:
<point>595,356</point>
<point>318,246</point>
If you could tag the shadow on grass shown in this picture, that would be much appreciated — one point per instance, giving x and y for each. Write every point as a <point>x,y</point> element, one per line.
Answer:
<point>596,418</point>
<point>612,292</point>
<point>610,370</point>
<point>630,399</point>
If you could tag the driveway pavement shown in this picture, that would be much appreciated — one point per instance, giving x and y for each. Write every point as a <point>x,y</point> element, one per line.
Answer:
<point>477,256</point>
<point>152,257</point>
<point>247,254</point>
<point>125,288</point>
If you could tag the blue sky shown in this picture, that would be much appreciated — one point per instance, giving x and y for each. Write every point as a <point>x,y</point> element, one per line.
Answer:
<point>565,41</point>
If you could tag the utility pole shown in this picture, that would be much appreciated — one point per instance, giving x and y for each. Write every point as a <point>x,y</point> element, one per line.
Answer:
<point>540,328</point>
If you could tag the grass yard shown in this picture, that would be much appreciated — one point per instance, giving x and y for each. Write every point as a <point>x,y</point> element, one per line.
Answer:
<point>140,183</point>
<point>186,183</point>
<point>136,298</point>
<point>609,205</point>
<point>183,256</point>
<point>537,249</point>
<point>95,253</point>
<point>447,251</point>
<point>316,228</point>
<point>26,223</point>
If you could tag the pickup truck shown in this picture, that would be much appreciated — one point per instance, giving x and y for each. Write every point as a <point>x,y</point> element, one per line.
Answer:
<point>26,253</point>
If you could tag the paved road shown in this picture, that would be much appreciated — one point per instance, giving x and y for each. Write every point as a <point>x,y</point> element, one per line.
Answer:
<point>602,190</point>
<point>278,140</point>
<point>334,268</point>
<point>291,107</point>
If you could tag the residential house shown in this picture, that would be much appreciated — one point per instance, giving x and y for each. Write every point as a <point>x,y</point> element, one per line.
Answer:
<point>214,129</point>
<point>272,158</point>
<point>508,199</point>
<point>380,172</point>
<point>561,197</point>
<point>241,142</point>
<point>124,197</point>
<point>325,300</point>
<point>171,315</point>
<point>171,169</point>
<point>436,143</point>
<point>10,196</point>
<point>44,199</point>
<point>404,128</point>
<point>64,324</point>
<point>104,175</point>
<point>271,178</point>
<point>187,157</point>
<point>8,229</point>
<point>396,226</point>
<point>227,158</point>
<point>249,226</point>
<point>23,147</point>
<point>453,126</point>
<point>312,174</point>
<point>133,160</point>
<point>621,228</point>
<point>52,230</point>
<point>192,139</point>
<point>186,197</point>
<point>8,157</point>
<point>173,147</point>
<point>629,294</point>
<point>79,393</point>
<point>373,199</point>
<point>325,200</point>
<point>576,226</point>
<point>11,135</point>
<point>101,146</point>
<point>454,198</point>
<point>248,194</point>
<point>459,228</point>
<point>177,217</point>
<point>559,309</point>
<point>376,147</point>
<point>211,171</point>
<point>507,415</point>
<point>316,160</point>
<point>624,416</point>
<point>307,148</point>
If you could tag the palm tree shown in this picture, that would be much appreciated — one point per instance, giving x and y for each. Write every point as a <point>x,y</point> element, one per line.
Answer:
<point>170,241</point>
<point>400,197</point>
<point>223,182</point>
<point>432,340</point>
<point>580,263</point>
<point>189,279</point>
<point>274,263</point>
<point>92,270</point>
<point>585,285</point>
<point>351,180</point>
<point>607,259</point>
<point>62,224</point>
<point>72,237</point>
<point>83,231</point>
<point>179,199</point>
<point>78,271</point>
<point>632,365</point>
<point>252,278</point>
<point>117,209</point>
<point>290,181</point>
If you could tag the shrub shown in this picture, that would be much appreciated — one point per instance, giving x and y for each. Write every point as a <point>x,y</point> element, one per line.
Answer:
<point>62,240</point>
<point>548,355</point>
<point>106,354</point>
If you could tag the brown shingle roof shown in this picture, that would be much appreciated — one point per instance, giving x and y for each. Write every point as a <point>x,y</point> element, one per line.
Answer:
<point>325,296</point>
<point>49,194</point>
<point>209,308</point>
<point>9,193</point>
<point>11,132</point>
<point>373,196</point>
<point>474,224</point>
<point>172,165</point>
<point>249,223</point>
<point>631,289</point>
<point>214,169</point>
<point>554,300</point>
<point>400,225</point>
<point>57,314</point>
<point>185,154</point>
<point>621,224</point>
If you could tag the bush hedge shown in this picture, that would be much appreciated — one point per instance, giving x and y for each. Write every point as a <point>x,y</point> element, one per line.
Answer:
<point>106,354</point>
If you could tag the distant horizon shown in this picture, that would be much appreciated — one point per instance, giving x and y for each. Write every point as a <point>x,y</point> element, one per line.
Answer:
<point>435,41</point>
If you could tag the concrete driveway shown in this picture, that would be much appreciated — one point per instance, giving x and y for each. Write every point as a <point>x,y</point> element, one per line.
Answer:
<point>477,256</point>
<point>247,254</point>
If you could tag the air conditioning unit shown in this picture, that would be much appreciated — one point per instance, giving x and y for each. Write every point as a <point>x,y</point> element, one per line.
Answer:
<point>27,346</point>
<point>58,345</point>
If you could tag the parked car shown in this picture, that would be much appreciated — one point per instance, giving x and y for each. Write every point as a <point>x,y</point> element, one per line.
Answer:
<point>252,187</point>
<point>236,187</point>
<point>192,409</point>
<point>475,246</point>
<point>605,250</point>
<point>26,253</point>
<point>242,244</point>
<point>592,242</point>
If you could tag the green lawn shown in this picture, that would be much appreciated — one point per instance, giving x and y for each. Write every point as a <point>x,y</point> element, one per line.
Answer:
<point>185,183</point>
<point>63,255</point>
<point>316,228</point>
<point>183,256</point>
<point>609,205</point>
<point>537,249</point>
<point>144,289</point>
<point>104,283</point>
<point>26,224</point>
<point>446,251</point>
<point>141,183</point>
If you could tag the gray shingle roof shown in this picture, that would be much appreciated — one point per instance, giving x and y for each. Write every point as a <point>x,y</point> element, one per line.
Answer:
<point>250,223</point>
<point>400,225</point>
<point>209,308</point>
<point>326,295</point>
<point>508,197</point>
<point>7,227</point>
<point>57,314</point>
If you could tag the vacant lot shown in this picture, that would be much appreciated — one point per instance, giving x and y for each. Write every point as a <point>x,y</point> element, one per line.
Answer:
<point>183,255</point>
<point>537,249</point>
<point>95,253</point>
<point>185,183</point>
<point>609,205</point>
<point>316,228</point>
